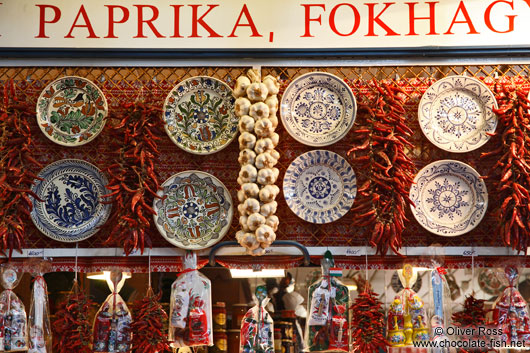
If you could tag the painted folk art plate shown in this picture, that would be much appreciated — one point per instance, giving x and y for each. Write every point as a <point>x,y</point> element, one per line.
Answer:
<point>319,186</point>
<point>456,115</point>
<point>195,212</point>
<point>450,198</point>
<point>199,115</point>
<point>71,111</point>
<point>72,210</point>
<point>318,109</point>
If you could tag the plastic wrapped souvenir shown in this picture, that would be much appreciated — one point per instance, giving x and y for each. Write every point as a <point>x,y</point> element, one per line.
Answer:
<point>257,327</point>
<point>510,313</point>
<point>112,331</point>
<point>440,294</point>
<point>407,320</point>
<point>327,321</point>
<point>40,336</point>
<point>13,321</point>
<point>190,322</point>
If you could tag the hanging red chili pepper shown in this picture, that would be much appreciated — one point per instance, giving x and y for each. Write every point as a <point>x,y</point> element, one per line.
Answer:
<point>149,325</point>
<point>133,178</point>
<point>385,170</point>
<point>71,327</point>
<point>511,170</point>
<point>17,167</point>
<point>368,323</point>
<point>473,316</point>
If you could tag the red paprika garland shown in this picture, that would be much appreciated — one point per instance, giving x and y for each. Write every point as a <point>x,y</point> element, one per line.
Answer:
<point>133,178</point>
<point>511,172</point>
<point>16,171</point>
<point>149,325</point>
<point>72,330</point>
<point>473,316</point>
<point>368,323</point>
<point>384,166</point>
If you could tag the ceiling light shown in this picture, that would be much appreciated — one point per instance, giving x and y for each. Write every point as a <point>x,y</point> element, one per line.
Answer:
<point>105,275</point>
<point>351,287</point>
<point>237,273</point>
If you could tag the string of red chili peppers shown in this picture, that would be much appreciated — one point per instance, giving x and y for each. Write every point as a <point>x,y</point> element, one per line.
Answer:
<point>16,170</point>
<point>368,323</point>
<point>511,172</point>
<point>384,166</point>
<point>149,325</point>
<point>71,327</point>
<point>133,177</point>
<point>472,316</point>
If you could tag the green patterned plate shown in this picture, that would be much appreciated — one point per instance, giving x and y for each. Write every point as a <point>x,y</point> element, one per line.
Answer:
<point>199,115</point>
<point>71,111</point>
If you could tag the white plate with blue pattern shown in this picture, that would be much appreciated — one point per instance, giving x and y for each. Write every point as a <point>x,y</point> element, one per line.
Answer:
<point>450,198</point>
<point>319,186</point>
<point>456,113</point>
<point>71,191</point>
<point>318,109</point>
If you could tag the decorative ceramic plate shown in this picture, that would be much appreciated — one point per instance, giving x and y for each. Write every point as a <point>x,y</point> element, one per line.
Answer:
<point>456,114</point>
<point>199,115</point>
<point>318,109</point>
<point>319,186</point>
<point>72,209</point>
<point>71,111</point>
<point>450,198</point>
<point>489,282</point>
<point>195,212</point>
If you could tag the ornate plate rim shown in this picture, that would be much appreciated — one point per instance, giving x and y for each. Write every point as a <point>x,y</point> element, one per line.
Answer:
<point>107,208</point>
<point>335,215</point>
<point>225,229</point>
<point>39,118</point>
<point>231,111</point>
<point>466,147</point>
<point>419,217</point>
<point>283,110</point>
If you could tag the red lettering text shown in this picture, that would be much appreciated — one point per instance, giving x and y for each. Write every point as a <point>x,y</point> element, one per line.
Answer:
<point>250,23</point>
<point>308,19</point>
<point>356,23</point>
<point>176,9</point>
<point>487,17</point>
<point>149,22</point>
<point>86,24</point>
<point>413,18</point>
<point>196,20</point>
<point>462,8</point>
<point>375,19</point>
<point>43,20</point>
<point>112,21</point>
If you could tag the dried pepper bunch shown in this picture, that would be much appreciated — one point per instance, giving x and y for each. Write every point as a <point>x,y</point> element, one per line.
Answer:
<point>473,316</point>
<point>133,178</point>
<point>368,323</point>
<point>149,325</point>
<point>511,172</point>
<point>385,167</point>
<point>72,330</point>
<point>16,170</point>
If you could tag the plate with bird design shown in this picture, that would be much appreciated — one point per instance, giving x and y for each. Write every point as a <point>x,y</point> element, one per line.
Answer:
<point>71,111</point>
<point>449,197</point>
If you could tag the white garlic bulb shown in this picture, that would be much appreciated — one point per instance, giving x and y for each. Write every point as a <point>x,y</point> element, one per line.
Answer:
<point>251,206</point>
<point>248,173</point>
<point>251,190</point>
<point>274,120</point>
<point>243,222</point>
<point>264,233</point>
<point>247,140</point>
<point>264,128</point>
<point>240,195</point>
<point>273,221</point>
<point>249,241</point>
<point>246,124</point>
<point>241,208</point>
<point>268,193</point>
<point>259,110</point>
<point>239,235</point>
<point>275,154</point>
<point>275,138</point>
<point>267,176</point>
<point>255,220</point>
<point>272,84</point>
<point>257,92</point>
<point>242,106</point>
<point>265,160</point>
<point>268,209</point>
<point>263,145</point>
<point>240,88</point>
<point>272,103</point>
<point>247,156</point>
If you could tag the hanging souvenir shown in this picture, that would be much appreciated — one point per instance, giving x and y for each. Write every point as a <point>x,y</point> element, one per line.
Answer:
<point>327,322</point>
<point>40,336</point>
<point>440,294</point>
<point>510,313</point>
<point>112,332</point>
<point>257,327</point>
<point>13,321</point>
<point>407,319</point>
<point>190,314</point>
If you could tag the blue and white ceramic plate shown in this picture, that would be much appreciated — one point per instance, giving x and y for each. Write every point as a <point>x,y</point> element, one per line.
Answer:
<point>195,212</point>
<point>450,198</point>
<point>456,114</point>
<point>319,186</point>
<point>72,210</point>
<point>318,109</point>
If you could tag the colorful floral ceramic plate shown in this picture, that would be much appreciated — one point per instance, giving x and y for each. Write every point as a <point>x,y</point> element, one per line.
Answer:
<point>195,212</point>
<point>318,109</point>
<point>199,115</point>
<point>489,282</point>
<point>456,114</point>
<point>319,186</point>
<point>72,209</point>
<point>71,111</point>
<point>450,198</point>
